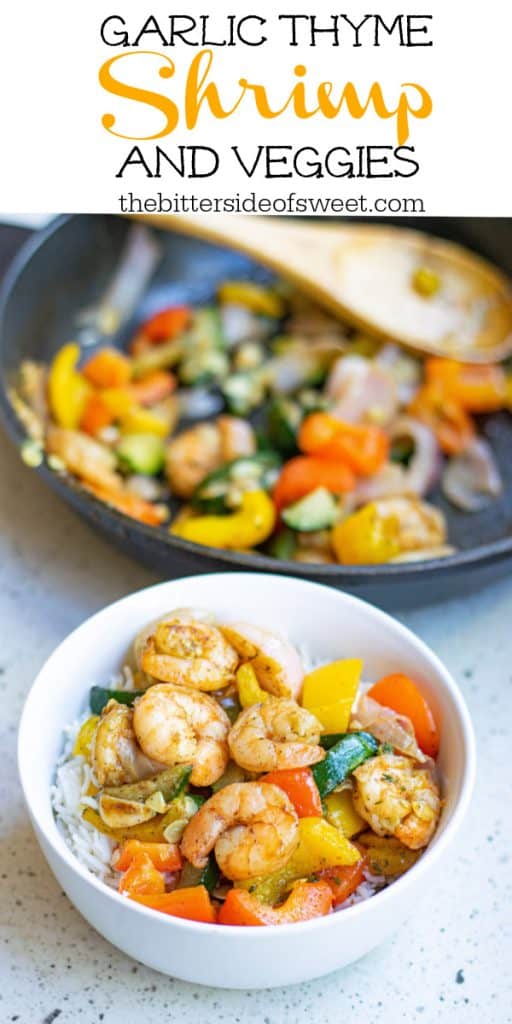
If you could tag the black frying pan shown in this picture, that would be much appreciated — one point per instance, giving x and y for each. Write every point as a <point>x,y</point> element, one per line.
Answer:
<point>65,268</point>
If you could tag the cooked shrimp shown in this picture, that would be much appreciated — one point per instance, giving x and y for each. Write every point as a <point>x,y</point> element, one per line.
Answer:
<point>203,448</point>
<point>398,798</point>
<point>274,735</point>
<point>182,650</point>
<point>362,390</point>
<point>252,826</point>
<point>116,758</point>
<point>236,437</point>
<point>176,725</point>
<point>275,661</point>
<point>87,459</point>
<point>420,524</point>
<point>191,456</point>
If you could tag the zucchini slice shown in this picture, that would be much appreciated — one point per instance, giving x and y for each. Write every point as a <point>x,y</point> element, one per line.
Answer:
<point>317,511</point>
<point>221,490</point>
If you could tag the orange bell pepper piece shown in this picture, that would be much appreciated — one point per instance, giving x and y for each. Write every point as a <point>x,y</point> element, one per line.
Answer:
<point>306,901</point>
<point>300,786</point>
<point>130,504</point>
<point>401,694</point>
<point>364,449</point>
<point>344,880</point>
<point>142,877</point>
<point>451,424</point>
<point>194,903</point>
<point>317,430</point>
<point>163,856</point>
<point>96,415</point>
<point>108,368</point>
<point>305,473</point>
<point>166,324</point>
<point>477,388</point>
<point>153,388</point>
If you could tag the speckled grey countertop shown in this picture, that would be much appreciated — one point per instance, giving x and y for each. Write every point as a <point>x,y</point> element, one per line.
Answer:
<point>450,963</point>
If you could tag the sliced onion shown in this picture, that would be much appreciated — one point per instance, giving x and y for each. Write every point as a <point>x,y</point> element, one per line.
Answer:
<point>361,390</point>
<point>406,370</point>
<point>389,482</point>
<point>387,727</point>
<point>425,464</point>
<point>290,370</point>
<point>145,487</point>
<point>199,403</point>
<point>472,480</point>
<point>240,324</point>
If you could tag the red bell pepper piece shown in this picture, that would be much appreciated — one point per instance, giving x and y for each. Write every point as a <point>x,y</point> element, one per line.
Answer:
<point>300,786</point>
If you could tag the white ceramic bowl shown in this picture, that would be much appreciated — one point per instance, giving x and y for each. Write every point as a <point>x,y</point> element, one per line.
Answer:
<point>327,623</point>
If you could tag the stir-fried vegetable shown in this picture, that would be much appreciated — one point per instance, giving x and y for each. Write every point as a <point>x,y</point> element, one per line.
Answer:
<point>307,793</point>
<point>401,693</point>
<point>347,753</point>
<point>307,900</point>
<point>99,697</point>
<point>249,526</point>
<point>108,368</point>
<point>305,474</point>
<point>68,390</point>
<point>329,692</point>
<point>364,448</point>
<point>340,812</point>
<point>344,879</point>
<point>192,904</point>
<point>222,490</point>
<point>268,378</point>
<point>366,537</point>
<point>163,856</point>
<point>300,786</point>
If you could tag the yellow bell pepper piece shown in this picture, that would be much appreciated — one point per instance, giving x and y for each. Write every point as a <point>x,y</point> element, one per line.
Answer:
<point>337,681</point>
<point>329,692</point>
<point>249,689</point>
<point>142,421</point>
<point>366,538</point>
<point>333,717</point>
<point>82,747</point>
<point>252,296</point>
<point>341,813</point>
<point>68,391</point>
<point>320,846</point>
<point>118,400</point>
<point>250,525</point>
<point>387,856</point>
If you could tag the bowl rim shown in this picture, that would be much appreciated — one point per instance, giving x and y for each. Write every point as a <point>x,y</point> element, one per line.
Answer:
<point>426,861</point>
<point>68,487</point>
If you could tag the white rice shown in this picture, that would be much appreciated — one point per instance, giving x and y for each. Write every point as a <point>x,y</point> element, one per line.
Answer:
<point>73,777</point>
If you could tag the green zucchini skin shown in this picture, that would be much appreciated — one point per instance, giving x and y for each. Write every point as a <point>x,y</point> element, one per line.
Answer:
<point>283,422</point>
<point>208,876</point>
<point>211,496</point>
<point>347,752</point>
<point>283,545</point>
<point>316,511</point>
<point>141,453</point>
<point>99,697</point>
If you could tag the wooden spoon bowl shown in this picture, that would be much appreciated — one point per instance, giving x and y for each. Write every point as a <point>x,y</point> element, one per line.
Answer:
<point>366,273</point>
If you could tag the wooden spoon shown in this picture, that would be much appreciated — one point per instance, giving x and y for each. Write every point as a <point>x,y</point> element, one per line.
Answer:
<point>365,273</point>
